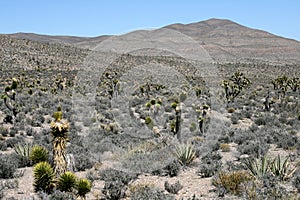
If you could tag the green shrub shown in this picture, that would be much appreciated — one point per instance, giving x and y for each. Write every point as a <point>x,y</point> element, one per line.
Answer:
<point>193,127</point>
<point>83,187</point>
<point>43,175</point>
<point>67,182</point>
<point>39,154</point>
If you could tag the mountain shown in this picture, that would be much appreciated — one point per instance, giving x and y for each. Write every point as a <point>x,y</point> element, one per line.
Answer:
<point>228,41</point>
<point>224,40</point>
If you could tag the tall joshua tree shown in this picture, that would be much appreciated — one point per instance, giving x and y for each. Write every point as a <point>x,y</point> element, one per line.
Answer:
<point>59,129</point>
<point>9,97</point>
<point>234,86</point>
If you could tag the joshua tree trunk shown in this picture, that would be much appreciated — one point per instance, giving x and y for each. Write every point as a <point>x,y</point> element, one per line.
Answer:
<point>178,122</point>
<point>59,156</point>
<point>60,129</point>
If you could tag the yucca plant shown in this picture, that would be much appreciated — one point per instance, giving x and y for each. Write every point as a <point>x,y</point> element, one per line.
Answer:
<point>185,154</point>
<point>258,167</point>
<point>60,128</point>
<point>23,150</point>
<point>43,177</point>
<point>83,186</point>
<point>282,168</point>
<point>38,154</point>
<point>67,182</point>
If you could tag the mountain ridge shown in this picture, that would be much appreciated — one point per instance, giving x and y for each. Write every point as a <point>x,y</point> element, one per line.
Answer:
<point>223,39</point>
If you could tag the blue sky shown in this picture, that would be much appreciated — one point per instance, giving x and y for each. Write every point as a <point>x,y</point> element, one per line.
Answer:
<point>96,17</point>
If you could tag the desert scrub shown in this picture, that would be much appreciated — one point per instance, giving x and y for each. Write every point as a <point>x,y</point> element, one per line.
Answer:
<point>43,175</point>
<point>115,183</point>
<point>38,154</point>
<point>8,166</point>
<point>254,148</point>
<point>173,188</point>
<point>150,193</point>
<point>225,147</point>
<point>231,182</point>
<point>210,164</point>
<point>172,169</point>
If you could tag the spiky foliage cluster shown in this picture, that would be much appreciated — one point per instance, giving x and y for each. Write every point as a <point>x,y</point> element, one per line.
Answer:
<point>67,182</point>
<point>60,128</point>
<point>38,154</point>
<point>186,154</point>
<point>23,151</point>
<point>279,167</point>
<point>258,167</point>
<point>44,180</point>
<point>83,186</point>
<point>282,168</point>
<point>294,83</point>
<point>235,85</point>
<point>43,177</point>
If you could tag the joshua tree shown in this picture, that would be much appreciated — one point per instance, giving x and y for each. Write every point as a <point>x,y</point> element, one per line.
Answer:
<point>9,98</point>
<point>176,126</point>
<point>268,102</point>
<point>234,86</point>
<point>280,84</point>
<point>59,132</point>
<point>294,83</point>
<point>201,118</point>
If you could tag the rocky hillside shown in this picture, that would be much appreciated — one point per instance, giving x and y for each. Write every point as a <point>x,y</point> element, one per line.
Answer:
<point>27,54</point>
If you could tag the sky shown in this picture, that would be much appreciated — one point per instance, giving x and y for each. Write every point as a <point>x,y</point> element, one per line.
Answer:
<point>103,17</point>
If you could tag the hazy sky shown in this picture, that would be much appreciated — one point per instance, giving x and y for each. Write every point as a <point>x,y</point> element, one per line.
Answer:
<point>97,17</point>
